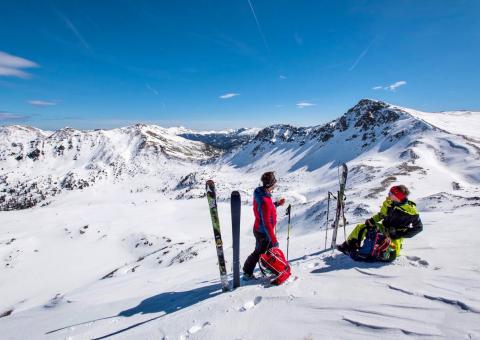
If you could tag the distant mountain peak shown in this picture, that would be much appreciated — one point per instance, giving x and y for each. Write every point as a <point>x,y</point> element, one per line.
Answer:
<point>368,113</point>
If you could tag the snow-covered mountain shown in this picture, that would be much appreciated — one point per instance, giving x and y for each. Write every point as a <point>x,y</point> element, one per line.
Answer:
<point>225,140</point>
<point>37,164</point>
<point>117,240</point>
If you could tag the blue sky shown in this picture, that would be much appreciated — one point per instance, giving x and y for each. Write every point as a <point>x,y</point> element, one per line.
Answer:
<point>228,64</point>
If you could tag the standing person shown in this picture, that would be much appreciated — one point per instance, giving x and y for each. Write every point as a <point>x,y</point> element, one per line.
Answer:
<point>398,219</point>
<point>265,221</point>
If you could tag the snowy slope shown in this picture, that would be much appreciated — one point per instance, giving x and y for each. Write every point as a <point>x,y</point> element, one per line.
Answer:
<point>465,123</point>
<point>225,140</point>
<point>36,165</point>
<point>431,290</point>
<point>132,256</point>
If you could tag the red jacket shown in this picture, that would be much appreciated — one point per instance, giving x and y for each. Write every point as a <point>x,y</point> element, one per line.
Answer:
<point>265,214</point>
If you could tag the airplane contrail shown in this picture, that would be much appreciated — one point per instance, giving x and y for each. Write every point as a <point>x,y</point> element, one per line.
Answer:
<point>73,28</point>
<point>258,25</point>
<point>365,51</point>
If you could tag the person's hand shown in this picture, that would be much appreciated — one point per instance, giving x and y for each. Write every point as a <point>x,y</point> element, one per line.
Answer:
<point>281,201</point>
<point>370,223</point>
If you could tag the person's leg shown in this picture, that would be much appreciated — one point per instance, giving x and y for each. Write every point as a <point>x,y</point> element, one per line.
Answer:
<point>357,235</point>
<point>398,246</point>
<point>261,246</point>
<point>354,239</point>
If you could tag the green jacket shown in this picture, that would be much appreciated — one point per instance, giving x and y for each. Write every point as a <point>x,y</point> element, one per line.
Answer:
<point>399,220</point>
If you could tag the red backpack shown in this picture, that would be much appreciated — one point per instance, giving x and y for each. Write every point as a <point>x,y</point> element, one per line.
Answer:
<point>274,264</point>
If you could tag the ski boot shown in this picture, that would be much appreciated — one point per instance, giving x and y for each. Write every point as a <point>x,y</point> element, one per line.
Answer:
<point>346,247</point>
<point>248,277</point>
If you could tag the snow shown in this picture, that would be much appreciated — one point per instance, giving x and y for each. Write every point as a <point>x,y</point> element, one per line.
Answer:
<point>466,123</point>
<point>133,256</point>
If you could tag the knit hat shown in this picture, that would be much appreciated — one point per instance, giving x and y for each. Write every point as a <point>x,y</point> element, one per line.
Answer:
<point>268,179</point>
<point>400,192</point>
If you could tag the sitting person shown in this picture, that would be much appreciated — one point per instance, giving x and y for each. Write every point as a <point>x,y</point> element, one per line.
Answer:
<point>398,219</point>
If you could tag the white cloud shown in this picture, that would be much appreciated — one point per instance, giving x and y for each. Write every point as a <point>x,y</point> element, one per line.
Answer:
<point>12,66</point>
<point>302,105</point>
<point>10,116</point>
<point>282,77</point>
<point>396,85</point>
<point>391,87</point>
<point>229,95</point>
<point>42,103</point>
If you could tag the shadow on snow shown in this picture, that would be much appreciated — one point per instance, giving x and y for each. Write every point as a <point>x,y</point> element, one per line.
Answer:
<point>344,262</point>
<point>168,302</point>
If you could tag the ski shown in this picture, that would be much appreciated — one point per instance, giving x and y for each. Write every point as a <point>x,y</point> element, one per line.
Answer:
<point>235,205</point>
<point>340,203</point>
<point>212,204</point>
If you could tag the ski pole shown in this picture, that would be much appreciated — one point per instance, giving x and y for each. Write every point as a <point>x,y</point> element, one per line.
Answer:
<point>344,219</point>
<point>288,212</point>
<point>328,212</point>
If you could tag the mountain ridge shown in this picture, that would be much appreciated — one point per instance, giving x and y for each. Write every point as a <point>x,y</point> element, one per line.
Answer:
<point>36,164</point>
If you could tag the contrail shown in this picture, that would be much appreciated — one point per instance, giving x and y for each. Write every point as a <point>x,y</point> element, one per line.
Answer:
<point>360,57</point>
<point>72,28</point>
<point>258,25</point>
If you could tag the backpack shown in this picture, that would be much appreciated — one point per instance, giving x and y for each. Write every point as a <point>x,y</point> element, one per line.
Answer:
<point>376,247</point>
<point>274,265</point>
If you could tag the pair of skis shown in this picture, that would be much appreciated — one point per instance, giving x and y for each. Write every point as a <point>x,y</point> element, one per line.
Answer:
<point>235,203</point>
<point>340,210</point>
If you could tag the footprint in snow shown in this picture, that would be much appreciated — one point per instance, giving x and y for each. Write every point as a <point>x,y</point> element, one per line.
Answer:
<point>250,304</point>
<point>192,330</point>
<point>313,265</point>
<point>196,328</point>
<point>415,261</point>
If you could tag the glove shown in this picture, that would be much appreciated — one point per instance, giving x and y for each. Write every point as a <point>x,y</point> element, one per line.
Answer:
<point>281,202</point>
<point>370,223</point>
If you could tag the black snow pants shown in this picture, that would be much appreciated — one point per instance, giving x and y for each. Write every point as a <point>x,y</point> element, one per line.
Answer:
<point>261,246</point>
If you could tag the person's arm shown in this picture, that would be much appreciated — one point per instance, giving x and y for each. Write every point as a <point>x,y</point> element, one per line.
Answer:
<point>269,220</point>
<point>417,227</point>
<point>380,215</point>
